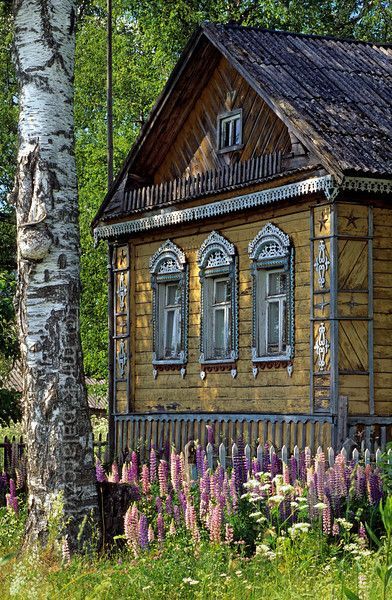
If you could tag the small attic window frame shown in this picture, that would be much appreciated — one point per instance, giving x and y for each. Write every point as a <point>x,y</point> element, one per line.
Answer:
<point>224,118</point>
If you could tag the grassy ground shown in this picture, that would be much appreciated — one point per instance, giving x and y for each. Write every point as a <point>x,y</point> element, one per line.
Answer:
<point>181,569</point>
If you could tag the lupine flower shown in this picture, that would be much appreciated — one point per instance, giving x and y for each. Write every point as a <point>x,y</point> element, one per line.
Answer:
<point>335,529</point>
<point>216,524</point>
<point>229,534</point>
<point>293,469</point>
<point>125,474</point>
<point>327,518</point>
<point>158,504</point>
<point>114,476</point>
<point>172,528</point>
<point>176,513</point>
<point>320,474</point>
<point>143,531</point>
<point>11,498</point>
<point>169,505</point>
<point>131,526</point>
<point>162,476</point>
<point>175,471</point>
<point>200,460</point>
<point>362,533</point>
<point>100,472</point>
<point>151,534</point>
<point>160,528</point>
<point>145,480</point>
<point>210,435</point>
<point>153,465</point>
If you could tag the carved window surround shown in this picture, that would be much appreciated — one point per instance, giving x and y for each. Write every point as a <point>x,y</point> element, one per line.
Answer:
<point>217,260</point>
<point>168,265</point>
<point>271,249</point>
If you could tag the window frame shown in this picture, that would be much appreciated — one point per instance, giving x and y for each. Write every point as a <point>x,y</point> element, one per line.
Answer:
<point>270,252</point>
<point>231,116</point>
<point>168,266</point>
<point>217,260</point>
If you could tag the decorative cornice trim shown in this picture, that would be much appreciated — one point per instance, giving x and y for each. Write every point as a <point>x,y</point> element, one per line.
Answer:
<point>215,243</point>
<point>326,184</point>
<point>214,209</point>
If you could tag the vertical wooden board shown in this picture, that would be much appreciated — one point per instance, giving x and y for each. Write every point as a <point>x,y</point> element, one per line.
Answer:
<point>353,265</point>
<point>121,397</point>
<point>356,388</point>
<point>322,346</point>
<point>353,345</point>
<point>352,219</point>
<point>121,257</point>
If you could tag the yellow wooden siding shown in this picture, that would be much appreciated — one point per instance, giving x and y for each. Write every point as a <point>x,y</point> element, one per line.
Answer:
<point>273,390</point>
<point>194,151</point>
<point>382,265</point>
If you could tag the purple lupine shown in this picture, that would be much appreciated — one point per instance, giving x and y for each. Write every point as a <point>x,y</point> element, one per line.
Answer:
<point>360,482</point>
<point>374,488</point>
<point>11,498</point>
<point>153,465</point>
<point>266,459</point>
<point>176,513</point>
<point>134,466</point>
<point>100,472</point>
<point>327,517</point>
<point>256,467</point>
<point>275,465</point>
<point>143,531</point>
<point>293,467</point>
<point>320,474</point>
<point>182,499</point>
<point>158,504</point>
<point>160,528</point>
<point>362,533</point>
<point>233,492</point>
<point>162,476</point>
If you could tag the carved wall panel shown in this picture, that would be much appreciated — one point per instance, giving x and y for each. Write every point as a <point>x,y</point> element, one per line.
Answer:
<point>121,366</point>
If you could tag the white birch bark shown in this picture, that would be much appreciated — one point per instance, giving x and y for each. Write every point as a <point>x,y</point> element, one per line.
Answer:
<point>57,427</point>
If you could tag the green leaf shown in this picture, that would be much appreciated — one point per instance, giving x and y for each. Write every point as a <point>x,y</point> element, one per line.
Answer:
<point>373,536</point>
<point>5,559</point>
<point>350,595</point>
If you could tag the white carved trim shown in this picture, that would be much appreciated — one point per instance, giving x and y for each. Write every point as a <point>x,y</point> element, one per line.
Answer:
<point>215,251</point>
<point>367,184</point>
<point>321,347</point>
<point>169,258</point>
<point>321,264</point>
<point>270,242</point>
<point>214,209</point>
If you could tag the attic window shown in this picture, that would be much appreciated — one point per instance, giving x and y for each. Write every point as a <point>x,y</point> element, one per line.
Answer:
<point>230,131</point>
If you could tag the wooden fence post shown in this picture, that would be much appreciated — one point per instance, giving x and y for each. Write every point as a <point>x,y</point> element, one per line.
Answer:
<point>341,425</point>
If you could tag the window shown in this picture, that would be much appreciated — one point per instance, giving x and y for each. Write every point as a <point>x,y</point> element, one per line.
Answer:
<point>219,324</point>
<point>169,279</point>
<point>230,131</point>
<point>273,271</point>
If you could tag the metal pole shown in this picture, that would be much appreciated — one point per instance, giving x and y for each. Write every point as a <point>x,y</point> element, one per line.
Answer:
<point>109,94</point>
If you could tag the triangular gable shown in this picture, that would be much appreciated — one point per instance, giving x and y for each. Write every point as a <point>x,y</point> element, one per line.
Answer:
<point>305,80</point>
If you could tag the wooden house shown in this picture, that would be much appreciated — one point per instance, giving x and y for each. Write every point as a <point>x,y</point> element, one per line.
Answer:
<point>250,244</point>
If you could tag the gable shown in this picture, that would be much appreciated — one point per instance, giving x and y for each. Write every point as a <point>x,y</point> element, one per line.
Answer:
<point>194,149</point>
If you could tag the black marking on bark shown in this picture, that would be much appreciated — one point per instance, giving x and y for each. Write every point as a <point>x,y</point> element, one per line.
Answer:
<point>72,21</point>
<point>62,261</point>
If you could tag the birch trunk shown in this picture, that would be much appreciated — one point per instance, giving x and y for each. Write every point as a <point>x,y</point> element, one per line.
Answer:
<point>57,427</point>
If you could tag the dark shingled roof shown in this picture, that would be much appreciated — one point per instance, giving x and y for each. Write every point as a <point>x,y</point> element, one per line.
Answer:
<point>336,95</point>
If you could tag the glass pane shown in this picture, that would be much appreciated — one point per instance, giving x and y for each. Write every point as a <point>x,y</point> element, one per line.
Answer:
<point>273,326</point>
<point>219,332</point>
<point>236,131</point>
<point>171,295</point>
<point>284,325</point>
<point>169,338</point>
<point>221,291</point>
<point>276,283</point>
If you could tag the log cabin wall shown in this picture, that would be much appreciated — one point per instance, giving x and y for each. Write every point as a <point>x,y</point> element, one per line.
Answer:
<point>194,150</point>
<point>382,277</point>
<point>272,391</point>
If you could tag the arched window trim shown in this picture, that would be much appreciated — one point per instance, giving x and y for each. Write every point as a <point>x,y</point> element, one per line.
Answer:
<point>272,248</point>
<point>169,265</point>
<point>217,257</point>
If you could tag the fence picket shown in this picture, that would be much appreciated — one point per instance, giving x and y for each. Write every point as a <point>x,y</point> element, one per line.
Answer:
<point>210,456</point>
<point>222,455</point>
<point>331,457</point>
<point>367,456</point>
<point>259,454</point>
<point>284,455</point>
<point>355,455</point>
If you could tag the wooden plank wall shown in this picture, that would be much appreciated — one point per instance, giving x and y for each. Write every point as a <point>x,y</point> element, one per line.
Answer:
<point>273,391</point>
<point>194,150</point>
<point>382,267</point>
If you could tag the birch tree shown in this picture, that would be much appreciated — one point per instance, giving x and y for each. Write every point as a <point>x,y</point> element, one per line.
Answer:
<point>56,422</point>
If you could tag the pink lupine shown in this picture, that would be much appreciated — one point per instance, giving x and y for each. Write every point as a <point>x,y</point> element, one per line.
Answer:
<point>145,479</point>
<point>229,534</point>
<point>160,528</point>
<point>131,526</point>
<point>286,474</point>
<point>114,476</point>
<point>65,551</point>
<point>335,529</point>
<point>172,528</point>
<point>162,476</point>
<point>153,465</point>
<point>216,524</point>
<point>362,533</point>
<point>327,518</point>
<point>312,500</point>
<point>100,472</point>
<point>124,474</point>
<point>175,471</point>
<point>151,534</point>
<point>320,474</point>
<point>293,469</point>
<point>255,466</point>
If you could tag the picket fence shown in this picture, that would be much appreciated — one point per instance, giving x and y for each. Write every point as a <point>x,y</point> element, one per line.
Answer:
<point>226,456</point>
